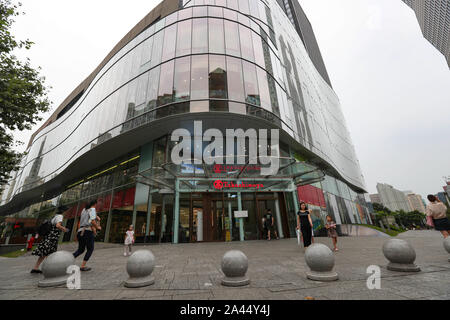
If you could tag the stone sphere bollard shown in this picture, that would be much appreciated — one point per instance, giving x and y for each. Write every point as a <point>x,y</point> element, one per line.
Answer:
<point>401,255</point>
<point>320,259</point>
<point>55,267</point>
<point>235,266</point>
<point>447,245</point>
<point>140,266</point>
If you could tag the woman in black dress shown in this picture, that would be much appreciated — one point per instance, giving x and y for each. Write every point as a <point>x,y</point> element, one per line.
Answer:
<point>304,223</point>
<point>49,244</point>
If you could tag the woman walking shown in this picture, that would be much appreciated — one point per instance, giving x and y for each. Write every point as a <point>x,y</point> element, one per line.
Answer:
<point>86,233</point>
<point>437,211</point>
<point>50,240</point>
<point>304,224</point>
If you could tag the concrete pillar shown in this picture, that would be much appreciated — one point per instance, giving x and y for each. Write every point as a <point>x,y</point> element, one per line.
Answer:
<point>108,222</point>
<point>176,211</point>
<point>277,212</point>
<point>149,212</point>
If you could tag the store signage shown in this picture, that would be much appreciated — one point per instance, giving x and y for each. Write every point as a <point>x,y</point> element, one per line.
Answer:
<point>257,153</point>
<point>241,214</point>
<point>219,185</point>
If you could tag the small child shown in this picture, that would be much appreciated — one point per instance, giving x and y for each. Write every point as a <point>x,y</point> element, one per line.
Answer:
<point>129,240</point>
<point>31,242</point>
<point>331,230</point>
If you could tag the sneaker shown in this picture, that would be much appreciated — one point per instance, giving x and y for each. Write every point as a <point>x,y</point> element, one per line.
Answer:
<point>85,269</point>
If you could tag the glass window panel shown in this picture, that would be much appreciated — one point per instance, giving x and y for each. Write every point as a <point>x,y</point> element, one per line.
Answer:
<point>157,49</point>
<point>199,2</point>
<point>185,14</point>
<point>237,108</point>
<point>215,12</point>
<point>250,83</point>
<point>216,36</point>
<point>230,14</point>
<point>244,20</point>
<point>200,106</point>
<point>244,6</point>
<point>254,9</point>
<point>184,38</point>
<point>199,77</point>
<point>165,94</point>
<point>233,4</point>
<point>170,39</point>
<point>222,3</point>
<point>147,51</point>
<point>232,38</point>
<point>152,90</point>
<point>258,50</point>
<point>200,11</point>
<point>246,43</point>
<point>273,95</point>
<point>217,77</point>
<point>171,18</point>
<point>141,89</point>
<point>264,89</point>
<point>200,36</point>
<point>235,79</point>
<point>182,76</point>
<point>218,106</point>
<point>209,2</point>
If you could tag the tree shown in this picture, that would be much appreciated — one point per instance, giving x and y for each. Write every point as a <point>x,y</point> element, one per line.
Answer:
<point>23,94</point>
<point>378,207</point>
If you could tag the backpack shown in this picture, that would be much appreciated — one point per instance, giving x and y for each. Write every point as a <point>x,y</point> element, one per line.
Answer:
<point>44,228</point>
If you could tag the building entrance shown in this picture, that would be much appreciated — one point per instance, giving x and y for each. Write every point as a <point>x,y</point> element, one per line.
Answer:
<point>209,217</point>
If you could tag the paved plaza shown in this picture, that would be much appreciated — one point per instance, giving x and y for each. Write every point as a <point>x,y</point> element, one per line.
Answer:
<point>276,270</point>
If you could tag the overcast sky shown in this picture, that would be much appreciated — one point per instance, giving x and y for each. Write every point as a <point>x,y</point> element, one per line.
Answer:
<point>393,84</point>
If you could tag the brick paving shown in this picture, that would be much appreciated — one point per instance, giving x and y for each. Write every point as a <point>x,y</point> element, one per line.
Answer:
<point>276,270</point>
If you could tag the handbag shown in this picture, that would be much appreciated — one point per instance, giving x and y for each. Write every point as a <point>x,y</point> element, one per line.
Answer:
<point>430,221</point>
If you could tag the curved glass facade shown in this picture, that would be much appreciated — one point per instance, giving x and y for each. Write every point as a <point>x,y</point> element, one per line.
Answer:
<point>242,57</point>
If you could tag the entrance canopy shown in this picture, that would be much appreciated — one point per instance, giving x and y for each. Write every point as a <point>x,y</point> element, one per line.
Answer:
<point>270,173</point>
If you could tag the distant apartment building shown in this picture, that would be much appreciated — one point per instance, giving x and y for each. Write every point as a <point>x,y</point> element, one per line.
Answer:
<point>442,196</point>
<point>375,198</point>
<point>393,199</point>
<point>434,20</point>
<point>416,202</point>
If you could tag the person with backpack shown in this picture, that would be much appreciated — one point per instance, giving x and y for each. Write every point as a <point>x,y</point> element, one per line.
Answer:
<point>50,231</point>
<point>86,233</point>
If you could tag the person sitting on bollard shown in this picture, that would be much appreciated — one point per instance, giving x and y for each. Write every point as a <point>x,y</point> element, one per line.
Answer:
<point>437,212</point>
<point>86,233</point>
<point>304,223</point>
<point>50,231</point>
<point>129,241</point>
<point>331,231</point>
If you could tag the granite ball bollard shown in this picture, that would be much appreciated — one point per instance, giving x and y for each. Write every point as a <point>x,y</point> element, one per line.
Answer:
<point>320,259</point>
<point>140,266</point>
<point>401,255</point>
<point>235,266</point>
<point>55,267</point>
<point>447,245</point>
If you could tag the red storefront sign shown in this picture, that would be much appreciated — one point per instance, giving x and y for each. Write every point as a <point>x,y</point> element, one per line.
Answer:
<point>311,195</point>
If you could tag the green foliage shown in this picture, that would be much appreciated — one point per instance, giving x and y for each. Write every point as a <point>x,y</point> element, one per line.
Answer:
<point>392,233</point>
<point>380,208</point>
<point>23,94</point>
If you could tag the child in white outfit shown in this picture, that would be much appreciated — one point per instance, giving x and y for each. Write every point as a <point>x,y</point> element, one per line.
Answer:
<point>129,240</point>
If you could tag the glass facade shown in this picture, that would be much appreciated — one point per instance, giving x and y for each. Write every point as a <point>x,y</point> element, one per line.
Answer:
<point>241,57</point>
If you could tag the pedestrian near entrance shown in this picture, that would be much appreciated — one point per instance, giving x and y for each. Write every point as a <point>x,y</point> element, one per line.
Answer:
<point>304,224</point>
<point>86,233</point>
<point>437,212</point>
<point>129,241</point>
<point>268,223</point>
<point>50,231</point>
<point>331,231</point>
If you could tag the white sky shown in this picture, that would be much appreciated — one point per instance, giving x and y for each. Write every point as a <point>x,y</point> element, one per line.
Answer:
<point>392,83</point>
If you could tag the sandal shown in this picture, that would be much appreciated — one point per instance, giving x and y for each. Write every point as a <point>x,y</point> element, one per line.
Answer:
<point>36,271</point>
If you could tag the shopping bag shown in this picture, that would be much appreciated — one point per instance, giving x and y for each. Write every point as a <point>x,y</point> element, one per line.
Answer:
<point>430,221</point>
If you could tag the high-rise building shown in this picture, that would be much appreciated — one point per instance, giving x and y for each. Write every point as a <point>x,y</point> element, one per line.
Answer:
<point>416,202</point>
<point>375,198</point>
<point>392,198</point>
<point>185,75</point>
<point>434,20</point>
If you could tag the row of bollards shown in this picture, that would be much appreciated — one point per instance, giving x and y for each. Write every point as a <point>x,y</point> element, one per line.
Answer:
<point>318,257</point>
